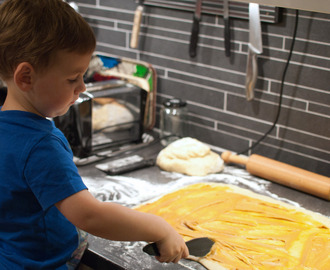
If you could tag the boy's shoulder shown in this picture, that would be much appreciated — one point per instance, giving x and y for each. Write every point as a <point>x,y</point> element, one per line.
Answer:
<point>28,129</point>
<point>25,121</point>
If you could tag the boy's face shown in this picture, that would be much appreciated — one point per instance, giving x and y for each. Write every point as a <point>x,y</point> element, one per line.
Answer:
<point>57,88</point>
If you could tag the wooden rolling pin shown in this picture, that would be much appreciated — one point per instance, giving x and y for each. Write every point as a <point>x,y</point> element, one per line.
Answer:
<point>282,173</point>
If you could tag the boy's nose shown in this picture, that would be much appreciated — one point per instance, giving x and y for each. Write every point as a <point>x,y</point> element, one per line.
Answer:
<point>81,88</point>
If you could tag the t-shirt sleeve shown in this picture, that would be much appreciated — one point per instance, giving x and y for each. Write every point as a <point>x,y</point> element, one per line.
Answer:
<point>51,173</point>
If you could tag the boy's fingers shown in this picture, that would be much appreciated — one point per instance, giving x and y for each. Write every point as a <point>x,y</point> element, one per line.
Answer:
<point>185,252</point>
<point>162,259</point>
<point>175,259</point>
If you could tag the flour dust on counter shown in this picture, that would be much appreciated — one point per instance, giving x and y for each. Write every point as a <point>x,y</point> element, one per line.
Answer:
<point>130,256</point>
<point>127,191</point>
<point>131,191</point>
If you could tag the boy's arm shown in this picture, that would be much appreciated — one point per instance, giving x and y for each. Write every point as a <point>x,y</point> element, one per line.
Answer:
<point>115,222</point>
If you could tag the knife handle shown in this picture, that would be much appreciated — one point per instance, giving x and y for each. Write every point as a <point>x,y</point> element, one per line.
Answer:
<point>136,27</point>
<point>227,37</point>
<point>151,249</point>
<point>251,74</point>
<point>194,37</point>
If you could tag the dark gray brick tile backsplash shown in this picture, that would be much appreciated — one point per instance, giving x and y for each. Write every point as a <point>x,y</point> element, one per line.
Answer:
<point>292,158</point>
<point>118,4</point>
<point>193,93</point>
<point>214,85</point>
<point>309,94</point>
<point>91,2</point>
<point>111,14</point>
<point>320,143</point>
<point>111,51</point>
<point>319,108</point>
<point>315,49</point>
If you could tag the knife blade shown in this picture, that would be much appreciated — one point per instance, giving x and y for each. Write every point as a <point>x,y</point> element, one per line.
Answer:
<point>195,28</point>
<point>198,247</point>
<point>226,26</point>
<point>254,48</point>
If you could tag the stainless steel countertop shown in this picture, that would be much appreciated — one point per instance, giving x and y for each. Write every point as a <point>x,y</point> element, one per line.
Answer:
<point>150,182</point>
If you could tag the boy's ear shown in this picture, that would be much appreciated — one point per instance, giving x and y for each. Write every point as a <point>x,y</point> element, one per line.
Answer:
<point>23,76</point>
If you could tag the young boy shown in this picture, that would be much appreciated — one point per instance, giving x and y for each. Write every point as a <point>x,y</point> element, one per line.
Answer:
<point>45,49</point>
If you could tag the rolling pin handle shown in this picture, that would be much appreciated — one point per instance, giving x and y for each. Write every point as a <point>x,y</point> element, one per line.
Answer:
<point>229,157</point>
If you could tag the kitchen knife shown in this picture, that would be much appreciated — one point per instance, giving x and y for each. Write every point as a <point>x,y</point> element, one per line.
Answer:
<point>226,26</point>
<point>254,48</point>
<point>195,29</point>
<point>136,25</point>
<point>198,247</point>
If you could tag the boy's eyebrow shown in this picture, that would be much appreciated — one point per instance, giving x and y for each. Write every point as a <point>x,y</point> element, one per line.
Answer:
<point>78,70</point>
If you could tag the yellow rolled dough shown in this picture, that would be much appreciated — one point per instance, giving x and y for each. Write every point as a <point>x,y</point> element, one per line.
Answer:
<point>250,231</point>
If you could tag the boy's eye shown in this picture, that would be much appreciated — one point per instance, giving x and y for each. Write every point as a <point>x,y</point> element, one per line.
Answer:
<point>73,80</point>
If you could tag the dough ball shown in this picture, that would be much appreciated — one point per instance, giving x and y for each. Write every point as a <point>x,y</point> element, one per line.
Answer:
<point>189,156</point>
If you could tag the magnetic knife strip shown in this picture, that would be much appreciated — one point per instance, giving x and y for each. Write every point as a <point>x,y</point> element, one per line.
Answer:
<point>239,10</point>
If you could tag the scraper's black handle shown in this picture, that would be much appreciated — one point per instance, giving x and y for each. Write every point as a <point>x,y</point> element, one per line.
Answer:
<point>151,249</point>
<point>194,37</point>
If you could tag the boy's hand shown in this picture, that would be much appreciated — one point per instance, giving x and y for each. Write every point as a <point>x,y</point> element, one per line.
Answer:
<point>172,248</point>
<point>116,222</point>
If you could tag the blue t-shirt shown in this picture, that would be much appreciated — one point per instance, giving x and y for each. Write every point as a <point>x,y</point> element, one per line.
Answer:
<point>36,171</point>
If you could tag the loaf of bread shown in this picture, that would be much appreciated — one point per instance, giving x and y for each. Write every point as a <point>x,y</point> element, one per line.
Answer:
<point>109,114</point>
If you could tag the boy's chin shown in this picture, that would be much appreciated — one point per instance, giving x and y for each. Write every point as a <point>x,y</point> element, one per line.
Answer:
<point>62,112</point>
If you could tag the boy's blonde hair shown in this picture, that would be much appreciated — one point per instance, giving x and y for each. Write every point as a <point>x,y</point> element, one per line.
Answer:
<point>34,30</point>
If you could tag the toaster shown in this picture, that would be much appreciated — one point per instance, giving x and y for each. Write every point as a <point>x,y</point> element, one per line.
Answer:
<point>109,114</point>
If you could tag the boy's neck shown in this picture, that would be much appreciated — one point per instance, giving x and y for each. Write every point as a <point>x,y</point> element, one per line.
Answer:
<point>15,101</point>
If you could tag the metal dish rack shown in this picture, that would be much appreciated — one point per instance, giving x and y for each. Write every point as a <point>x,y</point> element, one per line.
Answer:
<point>238,10</point>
